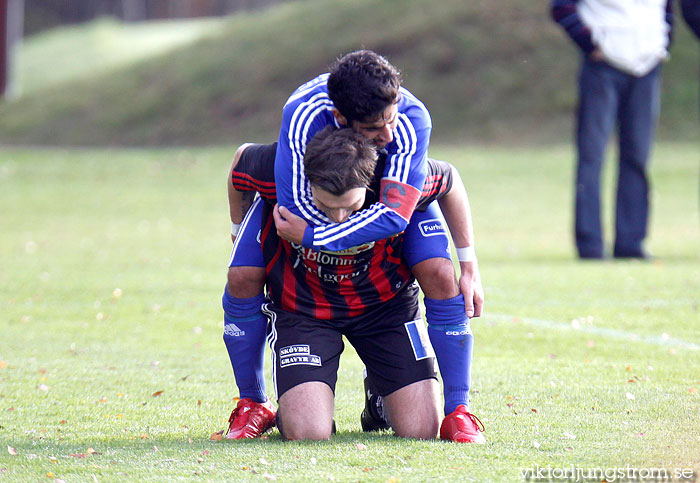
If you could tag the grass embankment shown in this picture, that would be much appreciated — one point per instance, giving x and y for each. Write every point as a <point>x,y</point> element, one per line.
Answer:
<point>492,72</point>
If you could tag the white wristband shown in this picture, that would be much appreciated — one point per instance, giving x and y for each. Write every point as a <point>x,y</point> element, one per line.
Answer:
<point>466,254</point>
<point>235,228</point>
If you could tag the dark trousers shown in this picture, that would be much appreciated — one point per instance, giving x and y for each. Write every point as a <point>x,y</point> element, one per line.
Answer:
<point>608,98</point>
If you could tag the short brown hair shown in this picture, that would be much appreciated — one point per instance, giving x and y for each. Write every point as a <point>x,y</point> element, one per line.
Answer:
<point>362,84</point>
<point>338,160</point>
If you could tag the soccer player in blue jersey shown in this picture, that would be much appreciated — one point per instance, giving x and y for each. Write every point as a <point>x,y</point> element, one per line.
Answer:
<point>369,283</point>
<point>362,91</point>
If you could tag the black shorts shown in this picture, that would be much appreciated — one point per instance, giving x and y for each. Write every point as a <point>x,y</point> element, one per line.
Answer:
<point>392,342</point>
<point>255,171</point>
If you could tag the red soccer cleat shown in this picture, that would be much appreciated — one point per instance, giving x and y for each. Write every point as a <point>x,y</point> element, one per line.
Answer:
<point>250,419</point>
<point>462,426</point>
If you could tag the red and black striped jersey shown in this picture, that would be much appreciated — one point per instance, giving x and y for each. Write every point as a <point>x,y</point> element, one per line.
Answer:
<point>331,285</point>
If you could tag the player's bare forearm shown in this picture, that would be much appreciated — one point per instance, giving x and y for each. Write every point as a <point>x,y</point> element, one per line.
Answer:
<point>457,212</point>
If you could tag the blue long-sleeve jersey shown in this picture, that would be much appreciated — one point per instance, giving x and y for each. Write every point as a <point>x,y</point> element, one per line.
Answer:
<point>307,111</point>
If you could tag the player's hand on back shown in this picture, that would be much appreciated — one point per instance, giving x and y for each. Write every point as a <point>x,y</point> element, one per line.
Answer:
<point>289,226</point>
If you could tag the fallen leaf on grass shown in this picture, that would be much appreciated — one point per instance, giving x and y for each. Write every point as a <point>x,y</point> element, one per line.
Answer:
<point>78,455</point>
<point>92,451</point>
<point>629,396</point>
<point>693,390</point>
<point>205,452</point>
<point>263,461</point>
<point>12,451</point>
<point>42,387</point>
<point>157,393</point>
<point>268,476</point>
<point>361,446</point>
<point>218,436</point>
<point>3,364</point>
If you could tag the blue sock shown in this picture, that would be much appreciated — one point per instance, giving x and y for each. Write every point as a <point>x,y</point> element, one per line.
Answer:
<point>452,340</point>
<point>245,328</point>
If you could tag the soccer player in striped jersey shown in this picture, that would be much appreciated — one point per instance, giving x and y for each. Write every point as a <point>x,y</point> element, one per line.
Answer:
<point>365,293</point>
<point>317,296</point>
<point>362,91</point>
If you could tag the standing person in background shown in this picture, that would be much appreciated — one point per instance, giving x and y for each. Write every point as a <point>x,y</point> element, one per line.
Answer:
<point>623,44</point>
<point>691,14</point>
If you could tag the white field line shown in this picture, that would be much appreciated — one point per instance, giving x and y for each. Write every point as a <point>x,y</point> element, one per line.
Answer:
<point>663,340</point>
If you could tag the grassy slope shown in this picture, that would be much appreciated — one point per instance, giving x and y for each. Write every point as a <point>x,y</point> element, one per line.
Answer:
<point>492,72</point>
<point>81,51</point>
<point>559,348</point>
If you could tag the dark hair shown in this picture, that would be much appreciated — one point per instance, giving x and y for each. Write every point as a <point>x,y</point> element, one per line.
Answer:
<point>362,84</point>
<point>338,160</point>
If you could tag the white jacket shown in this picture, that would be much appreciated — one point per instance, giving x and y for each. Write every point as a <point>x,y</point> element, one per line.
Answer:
<point>631,34</point>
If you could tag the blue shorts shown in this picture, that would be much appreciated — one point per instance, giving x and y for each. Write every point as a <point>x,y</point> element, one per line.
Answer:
<point>424,238</point>
<point>247,251</point>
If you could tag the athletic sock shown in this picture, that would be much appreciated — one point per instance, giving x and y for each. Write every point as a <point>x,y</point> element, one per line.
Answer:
<point>452,340</point>
<point>245,328</point>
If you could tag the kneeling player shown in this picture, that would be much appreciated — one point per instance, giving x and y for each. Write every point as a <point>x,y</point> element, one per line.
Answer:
<point>253,172</point>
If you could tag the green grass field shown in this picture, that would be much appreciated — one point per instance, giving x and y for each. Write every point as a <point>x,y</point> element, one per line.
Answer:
<point>112,368</point>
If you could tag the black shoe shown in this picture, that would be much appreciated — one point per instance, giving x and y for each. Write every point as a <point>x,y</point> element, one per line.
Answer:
<point>632,254</point>
<point>590,254</point>
<point>372,417</point>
